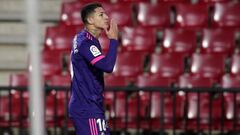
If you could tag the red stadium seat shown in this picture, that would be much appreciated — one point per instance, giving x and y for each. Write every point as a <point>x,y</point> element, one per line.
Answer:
<point>115,101</point>
<point>129,65</point>
<point>104,42</point>
<point>18,100</point>
<point>235,64</point>
<point>138,39</point>
<point>167,65</point>
<point>122,13</point>
<point>51,63</point>
<point>17,80</point>
<point>113,80</point>
<point>231,81</point>
<point>218,41</point>
<point>70,13</point>
<point>60,37</point>
<point>19,103</point>
<point>153,15</point>
<point>188,80</point>
<point>192,81</point>
<point>152,101</point>
<point>179,41</point>
<point>189,16</point>
<point>57,99</point>
<point>226,15</point>
<point>19,118</point>
<point>208,65</point>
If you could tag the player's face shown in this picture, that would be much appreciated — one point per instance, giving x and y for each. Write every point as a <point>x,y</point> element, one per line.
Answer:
<point>100,18</point>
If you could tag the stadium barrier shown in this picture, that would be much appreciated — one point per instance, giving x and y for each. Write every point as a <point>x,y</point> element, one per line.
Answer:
<point>137,116</point>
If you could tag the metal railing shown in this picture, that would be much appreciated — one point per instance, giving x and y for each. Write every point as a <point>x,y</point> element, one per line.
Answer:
<point>128,111</point>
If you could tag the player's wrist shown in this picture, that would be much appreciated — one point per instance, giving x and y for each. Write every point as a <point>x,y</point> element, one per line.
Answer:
<point>113,41</point>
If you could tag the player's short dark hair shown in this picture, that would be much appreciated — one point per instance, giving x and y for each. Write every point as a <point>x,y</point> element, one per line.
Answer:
<point>87,10</point>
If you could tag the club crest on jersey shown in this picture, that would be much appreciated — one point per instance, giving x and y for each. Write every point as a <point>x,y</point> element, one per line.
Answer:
<point>94,50</point>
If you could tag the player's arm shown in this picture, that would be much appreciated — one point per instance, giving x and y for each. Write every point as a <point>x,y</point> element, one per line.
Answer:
<point>93,55</point>
<point>107,62</point>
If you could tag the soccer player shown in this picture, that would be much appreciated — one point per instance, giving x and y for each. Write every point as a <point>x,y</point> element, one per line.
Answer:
<point>86,107</point>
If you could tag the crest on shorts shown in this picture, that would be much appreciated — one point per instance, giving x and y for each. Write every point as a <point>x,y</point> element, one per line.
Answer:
<point>94,50</point>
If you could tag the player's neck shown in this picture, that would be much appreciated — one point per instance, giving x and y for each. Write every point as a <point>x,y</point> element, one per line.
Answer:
<point>94,31</point>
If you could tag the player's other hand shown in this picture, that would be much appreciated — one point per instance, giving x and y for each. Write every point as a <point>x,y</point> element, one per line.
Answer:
<point>112,32</point>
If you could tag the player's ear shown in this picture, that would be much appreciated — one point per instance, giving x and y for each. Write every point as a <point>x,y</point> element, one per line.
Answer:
<point>90,20</point>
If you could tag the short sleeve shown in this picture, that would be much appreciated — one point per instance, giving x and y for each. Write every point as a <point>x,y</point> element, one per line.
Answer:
<point>90,52</point>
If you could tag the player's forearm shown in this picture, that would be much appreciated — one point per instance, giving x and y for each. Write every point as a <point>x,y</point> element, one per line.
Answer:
<point>108,62</point>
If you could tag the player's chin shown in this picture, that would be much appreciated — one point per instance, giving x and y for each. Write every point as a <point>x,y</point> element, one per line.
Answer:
<point>105,26</point>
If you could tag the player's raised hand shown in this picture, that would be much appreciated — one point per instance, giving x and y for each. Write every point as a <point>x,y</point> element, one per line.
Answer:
<point>112,32</point>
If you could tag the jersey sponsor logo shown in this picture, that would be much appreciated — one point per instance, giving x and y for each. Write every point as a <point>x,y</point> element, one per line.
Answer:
<point>94,50</point>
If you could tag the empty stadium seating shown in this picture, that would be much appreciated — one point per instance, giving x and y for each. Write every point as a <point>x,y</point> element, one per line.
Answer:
<point>16,80</point>
<point>179,41</point>
<point>167,65</point>
<point>57,100</point>
<point>208,65</point>
<point>60,37</point>
<point>193,34</point>
<point>153,15</point>
<point>218,41</point>
<point>138,39</point>
<point>152,101</point>
<point>226,15</point>
<point>105,42</point>
<point>115,101</point>
<point>189,16</point>
<point>129,65</point>
<point>18,101</point>
<point>194,81</point>
<point>51,63</point>
<point>231,81</point>
<point>70,14</point>
<point>121,12</point>
<point>235,64</point>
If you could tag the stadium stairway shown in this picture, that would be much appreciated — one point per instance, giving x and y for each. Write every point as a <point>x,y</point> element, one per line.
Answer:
<point>13,47</point>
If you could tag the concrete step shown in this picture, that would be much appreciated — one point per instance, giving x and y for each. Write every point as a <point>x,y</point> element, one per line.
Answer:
<point>16,32</point>
<point>13,57</point>
<point>14,9</point>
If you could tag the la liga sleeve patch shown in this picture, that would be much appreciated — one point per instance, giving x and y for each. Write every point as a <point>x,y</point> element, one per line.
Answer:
<point>94,50</point>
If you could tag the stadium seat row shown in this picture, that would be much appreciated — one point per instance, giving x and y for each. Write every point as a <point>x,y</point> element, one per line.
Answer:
<point>131,64</point>
<point>149,111</point>
<point>147,39</point>
<point>162,15</point>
